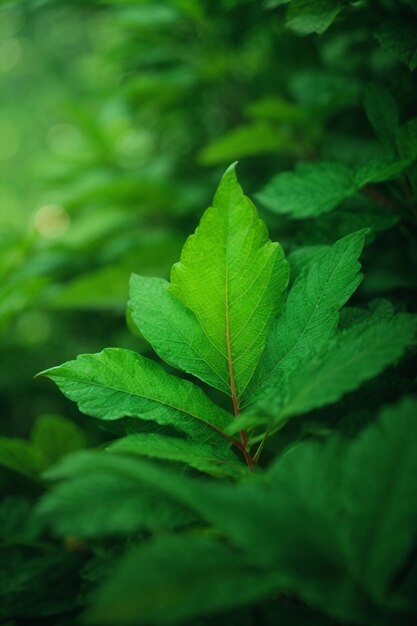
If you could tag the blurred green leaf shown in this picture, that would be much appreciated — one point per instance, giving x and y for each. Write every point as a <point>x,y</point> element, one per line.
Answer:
<point>317,188</point>
<point>149,15</point>
<point>248,140</point>
<point>17,521</point>
<point>277,108</point>
<point>272,4</point>
<point>407,139</point>
<point>382,508</point>
<point>398,36</point>
<point>314,188</point>
<point>204,457</point>
<point>178,578</point>
<point>382,112</point>
<point>21,456</point>
<point>97,502</point>
<point>306,16</point>
<point>51,438</point>
<point>56,436</point>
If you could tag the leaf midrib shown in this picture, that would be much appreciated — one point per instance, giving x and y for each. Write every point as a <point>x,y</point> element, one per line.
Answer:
<point>229,343</point>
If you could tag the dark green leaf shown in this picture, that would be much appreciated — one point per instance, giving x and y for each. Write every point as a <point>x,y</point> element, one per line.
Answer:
<point>356,355</point>
<point>380,496</point>
<point>201,456</point>
<point>407,140</point>
<point>382,112</point>
<point>311,312</point>
<point>312,16</point>
<point>398,36</point>
<point>21,456</point>
<point>317,188</point>
<point>98,502</point>
<point>56,436</point>
<point>173,579</point>
<point>313,188</point>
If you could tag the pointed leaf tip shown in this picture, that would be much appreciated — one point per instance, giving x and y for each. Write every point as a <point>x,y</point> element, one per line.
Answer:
<point>231,168</point>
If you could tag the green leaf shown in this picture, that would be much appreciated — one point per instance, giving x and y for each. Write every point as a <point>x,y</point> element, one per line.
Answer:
<point>398,36</point>
<point>17,522</point>
<point>309,498</point>
<point>382,112</point>
<point>173,330</point>
<point>379,170</point>
<point>272,4</point>
<point>56,436</point>
<point>311,313</point>
<point>301,499</point>
<point>322,498</point>
<point>312,16</point>
<point>313,188</point>
<point>96,500</point>
<point>259,137</point>
<point>52,437</point>
<point>286,521</point>
<point>149,16</point>
<point>173,579</point>
<point>201,456</point>
<point>118,383</point>
<point>317,188</point>
<point>354,356</point>
<point>407,140</point>
<point>26,580</point>
<point>279,109</point>
<point>303,256</point>
<point>233,278</point>
<point>379,494</point>
<point>21,456</point>
<point>107,287</point>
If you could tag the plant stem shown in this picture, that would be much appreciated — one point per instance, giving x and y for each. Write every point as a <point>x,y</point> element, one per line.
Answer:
<point>260,447</point>
<point>243,434</point>
<point>377,196</point>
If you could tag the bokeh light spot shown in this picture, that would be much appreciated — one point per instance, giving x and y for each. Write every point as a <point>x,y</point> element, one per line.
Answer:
<point>52,221</point>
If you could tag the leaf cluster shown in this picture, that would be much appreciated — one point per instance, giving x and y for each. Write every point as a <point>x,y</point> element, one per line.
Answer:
<point>253,440</point>
<point>309,524</point>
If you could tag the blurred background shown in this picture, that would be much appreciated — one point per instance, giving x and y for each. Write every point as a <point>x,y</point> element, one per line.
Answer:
<point>117,119</point>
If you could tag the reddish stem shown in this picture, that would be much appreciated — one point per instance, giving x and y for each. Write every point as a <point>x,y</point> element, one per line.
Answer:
<point>243,434</point>
<point>378,196</point>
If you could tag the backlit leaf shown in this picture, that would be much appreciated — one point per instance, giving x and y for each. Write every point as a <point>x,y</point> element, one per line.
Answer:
<point>233,278</point>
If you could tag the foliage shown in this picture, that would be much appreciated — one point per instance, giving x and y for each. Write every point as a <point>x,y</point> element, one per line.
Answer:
<point>247,454</point>
<point>228,288</point>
